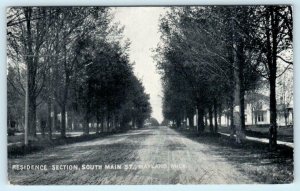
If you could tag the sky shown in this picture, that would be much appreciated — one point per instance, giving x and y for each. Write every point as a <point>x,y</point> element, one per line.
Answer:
<point>141,28</point>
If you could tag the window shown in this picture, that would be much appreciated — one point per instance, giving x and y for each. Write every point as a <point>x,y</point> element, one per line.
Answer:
<point>259,105</point>
<point>260,116</point>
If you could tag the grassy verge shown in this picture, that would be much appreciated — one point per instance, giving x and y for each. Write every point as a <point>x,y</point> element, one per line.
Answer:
<point>283,133</point>
<point>44,143</point>
<point>251,157</point>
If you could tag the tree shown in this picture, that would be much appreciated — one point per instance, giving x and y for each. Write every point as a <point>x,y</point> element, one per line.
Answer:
<point>218,52</point>
<point>275,38</point>
<point>26,37</point>
<point>74,58</point>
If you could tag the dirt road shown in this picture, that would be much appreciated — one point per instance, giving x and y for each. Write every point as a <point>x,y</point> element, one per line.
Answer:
<point>149,156</point>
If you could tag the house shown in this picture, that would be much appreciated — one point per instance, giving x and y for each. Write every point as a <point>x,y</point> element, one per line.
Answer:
<point>257,109</point>
<point>257,112</point>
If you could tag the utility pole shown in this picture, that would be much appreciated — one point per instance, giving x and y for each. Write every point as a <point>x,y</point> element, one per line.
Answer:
<point>26,110</point>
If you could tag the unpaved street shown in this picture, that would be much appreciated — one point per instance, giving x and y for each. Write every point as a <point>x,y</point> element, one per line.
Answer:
<point>148,156</point>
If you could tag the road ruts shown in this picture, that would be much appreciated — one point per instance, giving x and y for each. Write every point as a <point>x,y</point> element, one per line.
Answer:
<point>157,155</point>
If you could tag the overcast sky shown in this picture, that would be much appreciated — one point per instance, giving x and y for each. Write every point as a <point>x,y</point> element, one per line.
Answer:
<point>141,27</point>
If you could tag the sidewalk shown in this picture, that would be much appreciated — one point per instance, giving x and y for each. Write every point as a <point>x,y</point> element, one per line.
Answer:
<point>264,140</point>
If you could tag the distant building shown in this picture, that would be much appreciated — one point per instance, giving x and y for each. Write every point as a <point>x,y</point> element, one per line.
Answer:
<point>257,111</point>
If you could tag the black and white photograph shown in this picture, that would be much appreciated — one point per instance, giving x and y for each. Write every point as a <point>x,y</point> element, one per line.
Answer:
<point>150,95</point>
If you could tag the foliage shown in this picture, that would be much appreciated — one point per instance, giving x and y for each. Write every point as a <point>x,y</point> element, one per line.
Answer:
<point>76,64</point>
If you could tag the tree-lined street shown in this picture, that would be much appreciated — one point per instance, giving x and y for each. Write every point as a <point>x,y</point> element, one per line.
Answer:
<point>79,110</point>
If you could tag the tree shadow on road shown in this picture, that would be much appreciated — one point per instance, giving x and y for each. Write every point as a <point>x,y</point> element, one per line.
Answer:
<point>250,157</point>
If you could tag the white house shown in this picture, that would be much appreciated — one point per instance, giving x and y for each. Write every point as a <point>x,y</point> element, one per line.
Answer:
<point>257,111</point>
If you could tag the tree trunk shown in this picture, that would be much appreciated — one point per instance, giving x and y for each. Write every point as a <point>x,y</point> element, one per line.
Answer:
<point>233,73</point>
<point>30,103</point>
<point>231,116</point>
<point>43,127</point>
<point>238,69</point>
<point>242,91</point>
<point>252,115</point>
<point>205,120</point>
<point>98,125</point>
<point>102,124</point>
<point>237,108</point>
<point>273,114</point>
<point>191,121</point>
<point>117,123</point>
<point>220,115</point>
<point>210,116</point>
<point>178,123</point>
<point>65,95</point>
<point>32,116</point>
<point>63,121</point>
<point>241,64</point>
<point>75,122</point>
<point>107,123</point>
<point>71,124</point>
<point>201,126</point>
<point>49,120</point>
<point>86,125</point>
<point>55,124</point>
<point>216,116</point>
<point>272,63</point>
<point>227,119</point>
<point>133,123</point>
